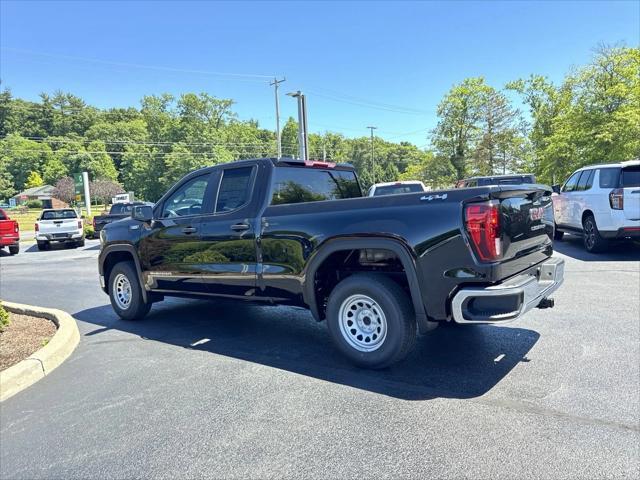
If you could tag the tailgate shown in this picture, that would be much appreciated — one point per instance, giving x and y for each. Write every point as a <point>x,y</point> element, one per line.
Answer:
<point>630,183</point>
<point>7,227</point>
<point>64,225</point>
<point>526,220</point>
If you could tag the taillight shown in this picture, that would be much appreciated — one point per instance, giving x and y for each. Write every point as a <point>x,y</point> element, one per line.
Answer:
<point>483,225</point>
<point>16,228</point>
<point>79,224</point>
<point>37,228</point>
<point>616,199</point>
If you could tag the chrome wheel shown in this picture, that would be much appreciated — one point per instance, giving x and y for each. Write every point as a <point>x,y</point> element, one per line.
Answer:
<point>122,291</point>
<point>362,323</point>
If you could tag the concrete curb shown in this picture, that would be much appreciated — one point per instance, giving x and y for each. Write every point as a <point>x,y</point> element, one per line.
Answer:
<point>42,362</point>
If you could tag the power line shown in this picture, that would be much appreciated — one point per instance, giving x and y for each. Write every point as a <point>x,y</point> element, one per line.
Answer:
<point>339,95</point>
<point>139,65</point>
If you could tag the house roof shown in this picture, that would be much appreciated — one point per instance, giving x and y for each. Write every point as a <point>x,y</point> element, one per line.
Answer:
<point>41,191</point>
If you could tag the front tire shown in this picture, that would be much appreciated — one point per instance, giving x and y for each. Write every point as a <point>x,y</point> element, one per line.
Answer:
<point>371,320</point>
<point>593,242</point>
<point>14,249</point>
<point>125,292</point>
<point>80,243</point>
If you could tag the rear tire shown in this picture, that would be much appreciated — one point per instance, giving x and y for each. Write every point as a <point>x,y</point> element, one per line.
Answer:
<point>44,246</point>
<point>14,249</point>
<point>557,234</point>
<point>371,320</point>
<point>125,292</point>
<point>593,242</point>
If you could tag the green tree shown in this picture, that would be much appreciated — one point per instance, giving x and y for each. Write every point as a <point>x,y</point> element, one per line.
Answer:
<point>6,184</point>
<point>459,117</point>
<point>33,180</point>
<point>98,162</point>
<point>20,157</point>
<point>54,170</point>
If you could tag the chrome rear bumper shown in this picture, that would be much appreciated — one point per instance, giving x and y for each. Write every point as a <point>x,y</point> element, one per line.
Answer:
<point>511,299</point>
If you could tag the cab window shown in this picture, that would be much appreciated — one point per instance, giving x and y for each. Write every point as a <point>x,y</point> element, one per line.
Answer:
<point>235,189</point>
<point>187,199</point>
<point>570,184</point>
<point>582,182</point>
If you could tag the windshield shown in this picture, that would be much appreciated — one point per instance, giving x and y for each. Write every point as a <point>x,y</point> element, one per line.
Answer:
<point>299,185</point>
<point>631,176</point>
<point>397,189</point>
<point>58,214</point>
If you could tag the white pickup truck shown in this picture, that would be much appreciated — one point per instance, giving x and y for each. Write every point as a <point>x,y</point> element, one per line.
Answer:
<point>61,225</point>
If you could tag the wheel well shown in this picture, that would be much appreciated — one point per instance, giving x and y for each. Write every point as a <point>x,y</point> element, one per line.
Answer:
<point>112,259</point>
<point>344,263</point>
<point>587,213</point>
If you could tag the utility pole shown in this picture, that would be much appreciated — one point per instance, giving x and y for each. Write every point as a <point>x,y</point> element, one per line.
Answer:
<point>302,124</point>
<point>275,84</point>
<point>373,159</point>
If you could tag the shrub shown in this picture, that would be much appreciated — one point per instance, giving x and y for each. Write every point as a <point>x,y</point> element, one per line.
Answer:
<point>33,204</point>
<point>4,318</point>
<point>88,230</point>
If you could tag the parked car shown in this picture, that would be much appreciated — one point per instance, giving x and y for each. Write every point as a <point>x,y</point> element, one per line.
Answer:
<point>9,233</point>
<point>118,211</point>
<point>515,179</point>
<point>376,269</point>
<point>59,225</point>
<point>601,203</point>
<point>395,188</point>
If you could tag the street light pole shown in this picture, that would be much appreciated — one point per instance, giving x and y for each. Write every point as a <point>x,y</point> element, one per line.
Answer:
<point>275,84</point>
<point>302,124</point>
<point>373,160</point>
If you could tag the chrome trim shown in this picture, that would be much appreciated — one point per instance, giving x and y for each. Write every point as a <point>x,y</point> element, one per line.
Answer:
<point>532,288</point>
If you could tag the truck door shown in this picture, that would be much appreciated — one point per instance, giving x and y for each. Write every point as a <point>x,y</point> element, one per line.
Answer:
<point>228,258</point>
<point>170,249</point>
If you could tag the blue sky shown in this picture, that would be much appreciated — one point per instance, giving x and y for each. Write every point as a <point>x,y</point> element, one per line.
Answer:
<point>347,57</point>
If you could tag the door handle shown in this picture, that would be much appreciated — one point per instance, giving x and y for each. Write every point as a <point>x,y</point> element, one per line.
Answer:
<point>240,227</point>
<point>189,230</point>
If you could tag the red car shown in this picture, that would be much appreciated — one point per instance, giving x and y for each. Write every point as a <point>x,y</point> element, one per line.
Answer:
<point>9,233</point>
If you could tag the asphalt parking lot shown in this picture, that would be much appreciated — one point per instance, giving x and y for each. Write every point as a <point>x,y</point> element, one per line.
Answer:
<point>221,389</point>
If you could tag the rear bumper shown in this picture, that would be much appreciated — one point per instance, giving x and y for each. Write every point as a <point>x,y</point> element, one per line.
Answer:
<point>60,237</point>
<point>510,299</point>
<point>624,232</point>
<point>9,241</point>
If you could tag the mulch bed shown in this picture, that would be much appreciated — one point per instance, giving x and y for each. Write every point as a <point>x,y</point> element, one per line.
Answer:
<point>23,336</point>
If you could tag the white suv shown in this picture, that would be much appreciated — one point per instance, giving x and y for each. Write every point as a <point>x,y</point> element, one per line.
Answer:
<point>601,203</point>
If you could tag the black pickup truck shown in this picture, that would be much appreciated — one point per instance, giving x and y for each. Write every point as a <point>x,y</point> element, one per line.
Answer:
<point>118,211</point>
<point>377,269</point>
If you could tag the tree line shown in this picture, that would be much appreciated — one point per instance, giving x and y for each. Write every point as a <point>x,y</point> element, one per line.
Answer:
<point>530,125</point>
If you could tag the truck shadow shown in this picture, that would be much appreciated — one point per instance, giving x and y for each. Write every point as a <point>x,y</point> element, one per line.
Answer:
<point>451,362</point>
<point>572,246</point>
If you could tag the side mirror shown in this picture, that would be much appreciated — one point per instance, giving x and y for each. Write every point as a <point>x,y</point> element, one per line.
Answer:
<point>143,213</point>
<point>556,188</point>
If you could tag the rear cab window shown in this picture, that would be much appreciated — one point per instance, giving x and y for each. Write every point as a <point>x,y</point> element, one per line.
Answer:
<point>59,214</point>
<point>121,209</point>
<point>304,184</point>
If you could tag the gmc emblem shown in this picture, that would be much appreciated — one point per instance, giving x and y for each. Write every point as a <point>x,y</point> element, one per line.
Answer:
<point>536,213</point>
